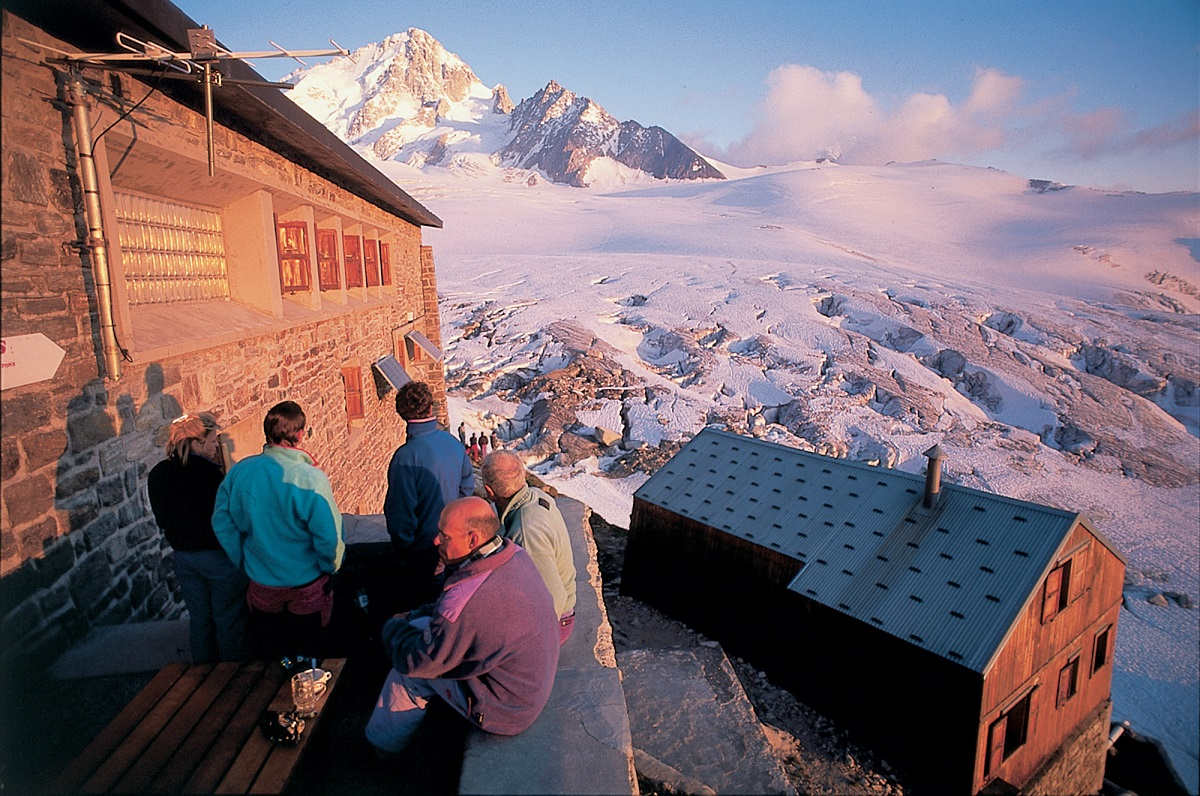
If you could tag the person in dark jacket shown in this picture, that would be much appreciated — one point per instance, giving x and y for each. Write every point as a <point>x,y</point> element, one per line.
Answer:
<point>183,488</point>
<point>488,646</point>
<point>428,471</point>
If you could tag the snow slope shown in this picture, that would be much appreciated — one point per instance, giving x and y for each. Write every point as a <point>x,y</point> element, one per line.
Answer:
<point>1049,341</point>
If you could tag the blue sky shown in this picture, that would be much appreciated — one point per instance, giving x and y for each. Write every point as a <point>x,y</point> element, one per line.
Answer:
<point>1097,93</point>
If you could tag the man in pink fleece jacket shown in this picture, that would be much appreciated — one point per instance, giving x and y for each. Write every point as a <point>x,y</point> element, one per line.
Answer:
<point>488,646</point>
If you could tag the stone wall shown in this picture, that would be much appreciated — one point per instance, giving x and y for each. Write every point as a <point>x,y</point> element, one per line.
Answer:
<point>78,545</point>
<point>1078,765</point>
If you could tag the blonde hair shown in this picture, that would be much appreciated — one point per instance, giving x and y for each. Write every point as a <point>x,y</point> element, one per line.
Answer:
<point>186,428</point>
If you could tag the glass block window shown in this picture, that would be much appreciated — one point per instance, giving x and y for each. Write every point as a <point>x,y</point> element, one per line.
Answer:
<point>291,238</point>
<point>371,261</point>
<point>385,263</point>
<point>327,259</point>
<point>170,251</point>
<point>352,250</point>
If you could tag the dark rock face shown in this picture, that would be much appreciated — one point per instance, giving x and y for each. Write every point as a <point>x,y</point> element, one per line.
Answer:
<point>561,134</point>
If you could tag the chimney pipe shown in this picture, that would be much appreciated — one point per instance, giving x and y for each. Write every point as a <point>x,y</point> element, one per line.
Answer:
<point>933,476</point>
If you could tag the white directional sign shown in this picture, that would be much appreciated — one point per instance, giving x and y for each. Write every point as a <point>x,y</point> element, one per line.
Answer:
<point>26,358</point>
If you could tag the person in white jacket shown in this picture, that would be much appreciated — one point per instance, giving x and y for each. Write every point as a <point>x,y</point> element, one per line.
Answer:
<point>530,517</point>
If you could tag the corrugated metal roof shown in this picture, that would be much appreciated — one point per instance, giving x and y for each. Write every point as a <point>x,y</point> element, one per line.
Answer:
<point>951,579</point>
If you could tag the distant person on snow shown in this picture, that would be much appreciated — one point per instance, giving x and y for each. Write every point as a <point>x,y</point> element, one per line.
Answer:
<point>530,517</point>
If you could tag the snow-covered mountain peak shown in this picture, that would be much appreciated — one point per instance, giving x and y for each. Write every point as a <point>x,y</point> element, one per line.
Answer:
<point>408,98</point>
<point>396,79</point>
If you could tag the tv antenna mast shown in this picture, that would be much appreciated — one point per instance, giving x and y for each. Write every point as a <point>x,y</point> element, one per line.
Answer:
<point>200,64</point>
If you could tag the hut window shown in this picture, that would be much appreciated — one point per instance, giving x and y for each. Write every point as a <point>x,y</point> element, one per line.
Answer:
<point>328,265</point>
<point>1068,681</point>
<point>352,381</point>
<point>371,261</point>
<point>1054,597</point>
<point>385,263</point>
<point>1007,734</point>
<point>292,240</point>
<point>1100,648</point>
<point>352,254</point>
<point>171,251</point>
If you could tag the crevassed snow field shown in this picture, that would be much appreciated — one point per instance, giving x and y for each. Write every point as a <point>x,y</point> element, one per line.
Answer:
<point>1049,341</point>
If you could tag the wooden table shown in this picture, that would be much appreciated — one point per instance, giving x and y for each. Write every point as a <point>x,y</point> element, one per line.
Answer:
<point>195,729</point>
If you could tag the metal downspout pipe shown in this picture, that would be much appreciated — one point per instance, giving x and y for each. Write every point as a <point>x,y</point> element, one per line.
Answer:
<point>96,244</point>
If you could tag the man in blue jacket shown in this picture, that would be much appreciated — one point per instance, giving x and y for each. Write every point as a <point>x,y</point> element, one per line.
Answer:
<point>430,470</point>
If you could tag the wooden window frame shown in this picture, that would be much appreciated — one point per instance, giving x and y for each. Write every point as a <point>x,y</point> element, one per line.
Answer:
<point>1056,591</point>
<point>292,255</point>
<point>1068,681</point>
<point>328,264</point>
<point>413,353</point>
<point>385,263</point>
<point>371,261</point>
<point>352,385</point>
<point>1008,733</point>
<point>352,259</point>
<point>1101,648</point>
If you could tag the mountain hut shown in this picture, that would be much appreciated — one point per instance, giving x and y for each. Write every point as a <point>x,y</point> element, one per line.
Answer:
<point>967,636</point>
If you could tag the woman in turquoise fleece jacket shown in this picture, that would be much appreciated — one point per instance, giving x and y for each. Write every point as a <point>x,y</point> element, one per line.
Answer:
<point>276,518</point>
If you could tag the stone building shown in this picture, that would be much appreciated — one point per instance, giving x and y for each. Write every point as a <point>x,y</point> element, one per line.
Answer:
<point>285,275</point>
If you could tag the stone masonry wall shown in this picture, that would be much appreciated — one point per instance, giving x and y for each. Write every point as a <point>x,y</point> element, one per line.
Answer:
<point>1078,765</point>
<point>78,544</point>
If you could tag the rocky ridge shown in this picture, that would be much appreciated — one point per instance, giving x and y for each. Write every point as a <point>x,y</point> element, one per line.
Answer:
<point>561,134</point>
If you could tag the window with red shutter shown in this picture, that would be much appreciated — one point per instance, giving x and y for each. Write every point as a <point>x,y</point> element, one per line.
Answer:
<point>352,249</point>
<point>327,259</point>
<point>1068,681</point>
<point>1058,586</point>
<point>1100,648</point>
<point>385,263</point>
<point>371,261</point>
<point>294,264</point>
<point>1008,733</point>
<point>352,381</point>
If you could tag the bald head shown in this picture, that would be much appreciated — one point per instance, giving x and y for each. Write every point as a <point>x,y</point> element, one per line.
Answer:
<point>503,474</point>
<point>471,514</point>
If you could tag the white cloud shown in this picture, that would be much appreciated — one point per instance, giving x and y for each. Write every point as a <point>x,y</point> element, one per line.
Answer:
<point>809,113</point>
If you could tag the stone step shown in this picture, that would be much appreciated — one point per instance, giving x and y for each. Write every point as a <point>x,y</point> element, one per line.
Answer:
<point>126,649</point>
<point>694,729</point>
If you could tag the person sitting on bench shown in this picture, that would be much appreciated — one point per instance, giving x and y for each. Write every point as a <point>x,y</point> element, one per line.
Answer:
<point>487,646</point>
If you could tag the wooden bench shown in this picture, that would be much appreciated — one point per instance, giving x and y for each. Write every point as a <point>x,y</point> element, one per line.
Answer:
<point>195,729</point>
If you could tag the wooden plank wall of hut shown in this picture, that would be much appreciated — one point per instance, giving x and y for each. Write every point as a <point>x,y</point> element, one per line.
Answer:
<point>700,575</point>
<point>1036,652</point>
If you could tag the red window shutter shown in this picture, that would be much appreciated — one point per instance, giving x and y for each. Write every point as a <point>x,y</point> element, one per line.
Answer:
<point>352,380</point>
<point>327,259</point>
<point>1067,681</point>
<point>1050,601</point>
<point>996,735</point>
<point>385,263</point>
<point>352,246</point>
<point>294,264</point>
<point>371,261</point>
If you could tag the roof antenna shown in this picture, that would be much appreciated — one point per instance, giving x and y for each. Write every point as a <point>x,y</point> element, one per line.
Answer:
<point>200,63</point>
<point>933,476</point>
